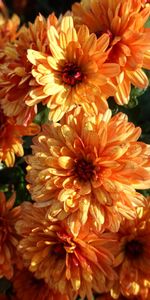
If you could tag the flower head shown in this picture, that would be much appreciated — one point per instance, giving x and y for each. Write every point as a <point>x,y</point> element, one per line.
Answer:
<point>133,257</point>
<point>26,286</point>
<point>123,21</point>
<point>69,265</point>
<point>89,167</point>
<point>8,235</point>
<point>16,77</point>
<point>74,72</point>
<point>11,138</point>
<point>8,28</point>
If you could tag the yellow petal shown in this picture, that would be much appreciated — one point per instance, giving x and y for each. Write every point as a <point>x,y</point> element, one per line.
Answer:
<point>33,56</point>
<point>67,23</point>
<point>138,78</point>
<point>65,162</point>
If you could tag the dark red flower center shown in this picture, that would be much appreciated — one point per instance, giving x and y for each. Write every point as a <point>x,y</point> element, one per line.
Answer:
<point>84,169</point>
<point>134,249</point>
<point>71,74</point>
<point>59,250</point>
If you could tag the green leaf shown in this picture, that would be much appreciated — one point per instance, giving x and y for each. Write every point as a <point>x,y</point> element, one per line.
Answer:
<point>147,24</point>
<point>42,116</point>
<point>14,179</point>
<point>145,193</point>
<point>4,285</point>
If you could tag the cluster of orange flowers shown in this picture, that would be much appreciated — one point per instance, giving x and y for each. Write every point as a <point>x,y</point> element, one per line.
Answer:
<point>87,230</point>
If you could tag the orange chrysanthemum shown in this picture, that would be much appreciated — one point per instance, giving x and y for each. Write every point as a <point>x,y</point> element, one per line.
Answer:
<point>16,77</point>
<point>8,235</point>
<point>10,138</point>
<point>123,21</point>
<point>8,28</point>
<point>89,166</point>
<point>27,287</point>
<point>74,72</point>
<point>133,258</point>
<point>70,265</point>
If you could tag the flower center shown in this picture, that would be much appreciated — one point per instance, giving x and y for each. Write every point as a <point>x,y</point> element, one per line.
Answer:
<point>134,249</point>
<point>59,250</point>
<point>84,169</point>
<point>71,74</point>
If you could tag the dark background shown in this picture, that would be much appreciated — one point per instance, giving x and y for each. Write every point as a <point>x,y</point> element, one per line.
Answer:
<point>30,8</point>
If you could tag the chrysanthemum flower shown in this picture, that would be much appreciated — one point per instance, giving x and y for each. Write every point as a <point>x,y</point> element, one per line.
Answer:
<point>133,257</point>
<point>16,74</point>
<point>69,265</point>
<point>123,21</point>
<point>89,166</point>
<point>8,235</point>
<point>26,287</point>
<point>11,138</point>
<point>8,28</point>
<point>74,72</point>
